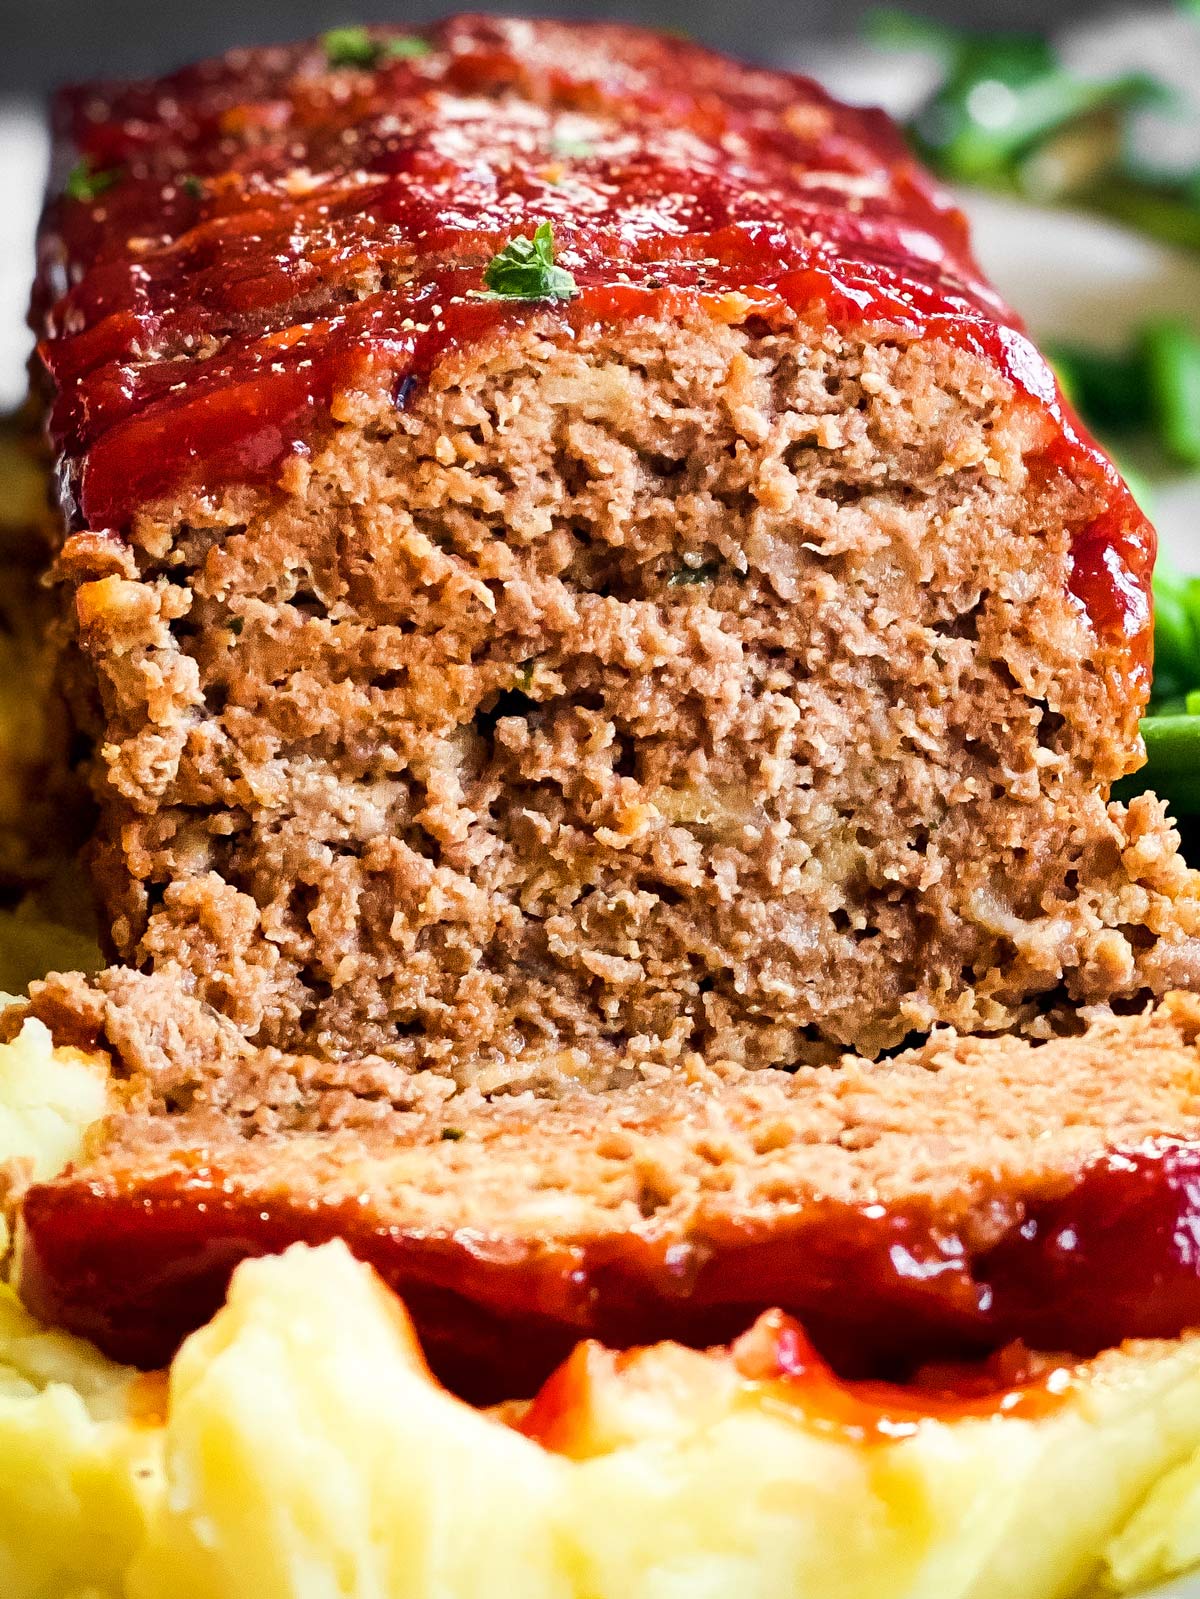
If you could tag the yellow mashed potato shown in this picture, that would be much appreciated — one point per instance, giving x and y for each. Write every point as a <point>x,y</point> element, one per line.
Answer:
<point>298,1449</point>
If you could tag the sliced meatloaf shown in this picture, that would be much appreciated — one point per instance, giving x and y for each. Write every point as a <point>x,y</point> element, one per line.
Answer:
<point>943,1202</point>
<point>528,656</point>
<point>579,604</point>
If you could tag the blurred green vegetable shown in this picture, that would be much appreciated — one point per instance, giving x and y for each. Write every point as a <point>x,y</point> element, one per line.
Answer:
<point>1107,388</point>
<point>1172,354</point>
<point>1009,115</point>
<point>1150,390</point>
<point>1172,727</point>
<point>1172,768</point>
<point>1002,94</point>
<point>1176,638</point>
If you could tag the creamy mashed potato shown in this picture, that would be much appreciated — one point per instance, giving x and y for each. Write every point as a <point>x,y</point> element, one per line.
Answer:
<point>301,1449</point>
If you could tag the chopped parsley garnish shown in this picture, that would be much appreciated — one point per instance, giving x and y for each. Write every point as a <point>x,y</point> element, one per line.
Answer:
<point>86,183</point>
<point>523,676</point>
<point>354,47</point>
<point>572,149</point>
<point>236,624</point>
<point>453,1135</point>
<point>687,576</point>
<point>192,186</point>
<point>406,47</point>
<point>350,47</point>
<point>525,270</point>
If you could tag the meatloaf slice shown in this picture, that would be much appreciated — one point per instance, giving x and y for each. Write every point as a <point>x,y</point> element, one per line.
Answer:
<point>727,648</point>
<point>948,1200</point>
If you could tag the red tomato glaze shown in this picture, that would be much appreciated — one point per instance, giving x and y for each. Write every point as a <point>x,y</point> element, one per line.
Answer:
<point>775,1366</point>
<point>276,231</point>
<point>136,1264</point>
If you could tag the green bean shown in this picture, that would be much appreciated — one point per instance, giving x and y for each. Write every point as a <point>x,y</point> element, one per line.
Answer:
<point>1173,372</point>
<point>1172,767</point>
<point>1108,389</point>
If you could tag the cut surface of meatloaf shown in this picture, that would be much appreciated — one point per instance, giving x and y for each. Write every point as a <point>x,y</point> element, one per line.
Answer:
<point>946,1201</point>
<point>732,655</point>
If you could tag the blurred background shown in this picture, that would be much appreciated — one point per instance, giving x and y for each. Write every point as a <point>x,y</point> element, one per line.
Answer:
<point>45,41</point>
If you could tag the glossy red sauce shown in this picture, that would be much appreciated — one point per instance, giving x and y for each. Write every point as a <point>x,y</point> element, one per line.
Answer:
<point>279,232</point>
<point>775,1366</point>
<point>135,1265</point>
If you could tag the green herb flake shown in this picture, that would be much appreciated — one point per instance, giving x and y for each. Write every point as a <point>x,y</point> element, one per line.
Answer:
<point>87,184</point>
<point>688,576</point>
<point>351,47</point>
<point>236,624</point>
<point>354,47</point>
<point>453,1135</point>
<point>523,676</point>
<point>572,149</point>
<point>525,270</point>
<point>406,47</point>
<point>192,186</point>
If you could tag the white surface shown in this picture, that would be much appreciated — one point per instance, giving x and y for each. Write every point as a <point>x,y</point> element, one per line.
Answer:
<point>23,150</point>
<point>1185,1588</point>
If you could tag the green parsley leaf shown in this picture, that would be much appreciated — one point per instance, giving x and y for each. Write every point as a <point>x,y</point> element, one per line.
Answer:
<point>87,184</point>
<point>686,576</point>
<point>525,270</point>
<point>192,186</point>
<point>406,47</point>
<point>572,149</point>
<point>350,47</point>
<point>354,47</point>
<point>452,1135</point>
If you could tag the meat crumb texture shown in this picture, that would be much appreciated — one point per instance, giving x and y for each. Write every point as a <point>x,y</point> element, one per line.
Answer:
<point>720,666</point>
<point>494,709</point>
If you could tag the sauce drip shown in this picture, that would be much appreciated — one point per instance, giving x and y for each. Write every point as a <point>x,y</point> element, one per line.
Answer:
<point>776,1367</point>
<point>277,232</point>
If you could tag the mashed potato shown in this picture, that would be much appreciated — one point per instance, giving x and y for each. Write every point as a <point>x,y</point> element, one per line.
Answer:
<point>301,1449</point>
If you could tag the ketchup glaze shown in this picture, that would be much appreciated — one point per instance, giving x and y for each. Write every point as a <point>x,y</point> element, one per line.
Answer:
<point>136,1264</point>
<point>269,231</point>
<point>775,1366</point>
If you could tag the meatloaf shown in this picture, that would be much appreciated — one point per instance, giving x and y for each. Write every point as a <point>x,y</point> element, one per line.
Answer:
<point>940,1203</point>
<point>727,647</point>
<point>579,606</point>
